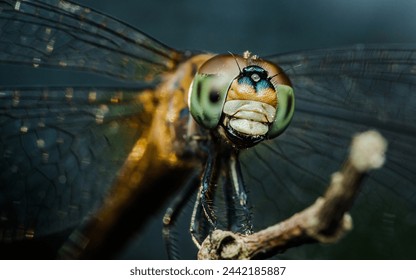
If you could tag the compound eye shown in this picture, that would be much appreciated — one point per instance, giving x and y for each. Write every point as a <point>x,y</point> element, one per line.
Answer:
<point>285,110</point>
<point>209,88</point>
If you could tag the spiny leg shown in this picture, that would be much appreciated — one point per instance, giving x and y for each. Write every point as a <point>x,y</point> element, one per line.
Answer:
<point>244,224</point>
<point>208,186</point>
<point>172,214</point>
<point>203,210</point>
<point>197,227</point>
<point>230,207</point>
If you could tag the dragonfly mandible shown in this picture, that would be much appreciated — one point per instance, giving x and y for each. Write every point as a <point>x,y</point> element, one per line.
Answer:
<point>65,148</point>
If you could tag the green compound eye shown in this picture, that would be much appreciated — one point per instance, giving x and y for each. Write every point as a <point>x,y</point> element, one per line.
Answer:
<point>284,112</point>
<point>209,88</point>
<point>207,98</point>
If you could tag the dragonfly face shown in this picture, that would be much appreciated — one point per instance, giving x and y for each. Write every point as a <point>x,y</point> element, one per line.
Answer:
<point>246,98</point>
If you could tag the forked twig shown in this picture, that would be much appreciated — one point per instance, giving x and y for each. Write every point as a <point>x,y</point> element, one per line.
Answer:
<point>325,221</point>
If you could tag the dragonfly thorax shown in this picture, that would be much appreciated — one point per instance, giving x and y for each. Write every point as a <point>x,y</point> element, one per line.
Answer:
<point>245,98</point>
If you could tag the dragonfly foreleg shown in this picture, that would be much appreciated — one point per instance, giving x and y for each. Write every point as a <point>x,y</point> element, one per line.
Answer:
<point>203,209</point>
<point>208,186</point>
<point>244,223</point>
<point>197,225</point>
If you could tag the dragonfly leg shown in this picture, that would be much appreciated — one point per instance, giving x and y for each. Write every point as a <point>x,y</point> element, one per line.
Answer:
<point>208,184</point>
<point>203,210</point>
<point>242,222</point>
<point>197,226</point>
<point>173,212</point>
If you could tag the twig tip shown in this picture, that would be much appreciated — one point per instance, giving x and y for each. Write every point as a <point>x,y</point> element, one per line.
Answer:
<point>368,150</point>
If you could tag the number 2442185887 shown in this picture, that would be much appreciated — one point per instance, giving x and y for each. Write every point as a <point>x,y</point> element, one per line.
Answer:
<point>264,270</point>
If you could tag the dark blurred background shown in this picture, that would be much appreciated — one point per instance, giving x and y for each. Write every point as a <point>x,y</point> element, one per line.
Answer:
<point>263,27</point>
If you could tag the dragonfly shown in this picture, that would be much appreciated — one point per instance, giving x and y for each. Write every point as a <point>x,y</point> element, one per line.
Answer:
<point>67,152</point>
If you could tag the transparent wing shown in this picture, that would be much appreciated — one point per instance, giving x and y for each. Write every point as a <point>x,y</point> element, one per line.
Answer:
<point>340,92</point>
<point>63,34</point>
<point>60,150</point>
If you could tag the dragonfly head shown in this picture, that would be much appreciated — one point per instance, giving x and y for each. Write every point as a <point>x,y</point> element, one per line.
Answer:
<point>246,98</point>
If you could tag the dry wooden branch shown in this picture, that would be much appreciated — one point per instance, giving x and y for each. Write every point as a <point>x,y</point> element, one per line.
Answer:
<point>325,221</point>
